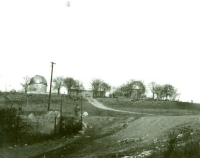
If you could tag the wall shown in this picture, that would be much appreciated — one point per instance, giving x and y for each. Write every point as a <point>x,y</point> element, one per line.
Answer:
<point>37,88</point>
<point>43,122</point>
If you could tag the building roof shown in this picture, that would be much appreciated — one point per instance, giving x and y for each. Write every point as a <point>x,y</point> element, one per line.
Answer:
<point>37,79</point>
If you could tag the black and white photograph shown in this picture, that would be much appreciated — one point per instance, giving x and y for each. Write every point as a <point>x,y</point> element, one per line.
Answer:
<point>99,79</point>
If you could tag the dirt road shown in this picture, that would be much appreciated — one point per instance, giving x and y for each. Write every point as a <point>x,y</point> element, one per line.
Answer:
<point>131,134</point>
<point>101,106</point>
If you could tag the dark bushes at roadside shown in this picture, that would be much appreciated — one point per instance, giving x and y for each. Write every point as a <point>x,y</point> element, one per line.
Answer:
<point>8,127</point>
<point>69,126</point>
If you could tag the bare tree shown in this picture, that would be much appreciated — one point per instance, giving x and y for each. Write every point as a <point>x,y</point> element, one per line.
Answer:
<point>105,87</point>
<point>95,84</point>
<point>175,95</point>
<point>158,90</point>
<point>168,91</point>
<point>69,83</point>
<point>113,91</point>
<point>152,86</point>
<point>58,83</point>
<point>25,83</point>
<point>99,87</point>
<point>78,86</point>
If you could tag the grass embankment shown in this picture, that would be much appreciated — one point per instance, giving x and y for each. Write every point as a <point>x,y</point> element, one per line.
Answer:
<point>39,102</point>
<point>153,107</point>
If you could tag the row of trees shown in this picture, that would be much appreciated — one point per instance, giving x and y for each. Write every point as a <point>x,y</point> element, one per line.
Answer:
<point>58,83</point>
<point>100,87</point>
<point>69,83</point>
<point>128,88</point>
<point>137,89</point>
<point>163,92</point>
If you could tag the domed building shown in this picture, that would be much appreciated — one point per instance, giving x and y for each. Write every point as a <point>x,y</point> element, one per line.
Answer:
<point>38,85</point>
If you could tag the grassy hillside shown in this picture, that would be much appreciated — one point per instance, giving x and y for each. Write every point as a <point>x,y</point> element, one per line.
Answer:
<point>155,107</point>
<point>39,102</point>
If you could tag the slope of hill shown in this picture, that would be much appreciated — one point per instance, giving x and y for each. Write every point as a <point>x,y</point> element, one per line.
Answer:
<point>153,107</point>
<point>112,133</point>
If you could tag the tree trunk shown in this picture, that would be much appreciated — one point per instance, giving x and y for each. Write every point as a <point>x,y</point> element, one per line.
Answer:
<point>93,93</point>
<point>25,90</point>
<point>68,91</point>
<point>58,91</point>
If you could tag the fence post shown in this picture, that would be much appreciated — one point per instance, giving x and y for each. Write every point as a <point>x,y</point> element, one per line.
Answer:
<point>17,129</point>
<point>81,112</point>
<point>61,105</point>
<point>60,112</point>
<point>55,126</point>
<point>27,102</point>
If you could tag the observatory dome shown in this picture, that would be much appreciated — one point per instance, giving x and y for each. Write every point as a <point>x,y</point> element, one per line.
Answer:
<point>37,85</point>
<point>37,79</point>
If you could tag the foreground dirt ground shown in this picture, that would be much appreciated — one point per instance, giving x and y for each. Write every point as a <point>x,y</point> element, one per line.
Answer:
<point>106,135</point>
<point>140,132</point>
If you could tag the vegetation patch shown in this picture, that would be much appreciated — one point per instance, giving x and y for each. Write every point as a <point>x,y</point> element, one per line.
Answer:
<point>70,126</point>
<point>15,131</point>
<point>182,142</point>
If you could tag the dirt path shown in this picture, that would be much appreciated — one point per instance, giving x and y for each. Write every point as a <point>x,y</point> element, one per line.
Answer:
<point>25,151</point>
<point>133,134</point>
<point>101,106</point>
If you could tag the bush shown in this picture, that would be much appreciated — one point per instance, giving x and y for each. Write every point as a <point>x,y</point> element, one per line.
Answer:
<point>69,126</point>
<point>180,144</point>
<point>8,121</point>
<point>177,138</point>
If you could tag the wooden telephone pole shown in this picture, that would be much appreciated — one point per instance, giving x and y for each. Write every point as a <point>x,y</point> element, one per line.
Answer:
<point>52,63</point>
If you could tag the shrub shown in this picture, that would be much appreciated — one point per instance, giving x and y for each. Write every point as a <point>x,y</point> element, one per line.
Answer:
<point>69,126</point>
<point>180,144</point>
<point>8,121</point>
<point>177,138</point>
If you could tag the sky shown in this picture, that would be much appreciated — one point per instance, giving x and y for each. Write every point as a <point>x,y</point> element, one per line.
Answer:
<point>112,40</point>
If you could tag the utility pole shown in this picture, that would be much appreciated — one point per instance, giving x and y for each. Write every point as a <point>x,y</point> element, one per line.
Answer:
<point>52,63</point>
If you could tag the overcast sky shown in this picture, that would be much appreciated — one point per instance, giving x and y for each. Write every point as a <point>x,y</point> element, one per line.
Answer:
<point>113,40</point>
